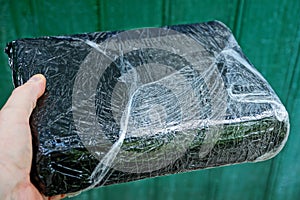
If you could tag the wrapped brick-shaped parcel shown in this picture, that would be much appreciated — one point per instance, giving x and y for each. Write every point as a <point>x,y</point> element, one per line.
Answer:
<point>127,105</point>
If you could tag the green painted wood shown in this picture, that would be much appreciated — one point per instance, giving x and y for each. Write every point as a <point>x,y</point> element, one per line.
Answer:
<point>268,32</point>
<point>120,14</point>
<point>278,39</point>
<point>6,34</point>
<point>194,11</point>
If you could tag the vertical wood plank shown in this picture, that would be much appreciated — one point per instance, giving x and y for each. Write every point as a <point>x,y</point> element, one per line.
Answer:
<point>283,182</point>
<point>195,11</point>
<point>119,14</point>
<point>64,17</point>
<point>6,34</point>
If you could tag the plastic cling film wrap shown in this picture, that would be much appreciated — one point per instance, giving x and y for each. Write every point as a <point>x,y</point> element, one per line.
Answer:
<point>127,105</point>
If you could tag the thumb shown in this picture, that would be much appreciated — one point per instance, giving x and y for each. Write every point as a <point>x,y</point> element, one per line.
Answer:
<point>23,99</point>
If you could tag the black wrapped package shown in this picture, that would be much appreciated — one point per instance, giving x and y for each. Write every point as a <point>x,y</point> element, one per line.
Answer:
<point>127,105</point>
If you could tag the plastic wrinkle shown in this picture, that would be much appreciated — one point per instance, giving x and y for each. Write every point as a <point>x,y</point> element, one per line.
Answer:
<point>106,163</point>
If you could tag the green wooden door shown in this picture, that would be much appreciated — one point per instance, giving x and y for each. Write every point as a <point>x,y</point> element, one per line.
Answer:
<point>268,32</point>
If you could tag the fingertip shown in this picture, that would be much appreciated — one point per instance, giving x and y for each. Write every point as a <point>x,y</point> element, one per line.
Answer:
<point>41,81</point>
<point>37,77</point>
<point>43,84</point>
<point>23,98</point>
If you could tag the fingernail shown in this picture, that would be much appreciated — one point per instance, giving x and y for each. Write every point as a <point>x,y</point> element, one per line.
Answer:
<point>35,78</point>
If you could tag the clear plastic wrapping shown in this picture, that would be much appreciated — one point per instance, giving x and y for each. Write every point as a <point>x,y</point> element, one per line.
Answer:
<point>126,105</point>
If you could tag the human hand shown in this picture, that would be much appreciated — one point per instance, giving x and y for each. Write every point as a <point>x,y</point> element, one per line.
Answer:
<point>16,143</point>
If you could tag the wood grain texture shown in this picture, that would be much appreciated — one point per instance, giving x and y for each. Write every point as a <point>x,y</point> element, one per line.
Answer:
<point>269,34</point>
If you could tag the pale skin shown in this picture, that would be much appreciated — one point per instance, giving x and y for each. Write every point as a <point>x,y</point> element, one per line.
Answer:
<point>15,142</point>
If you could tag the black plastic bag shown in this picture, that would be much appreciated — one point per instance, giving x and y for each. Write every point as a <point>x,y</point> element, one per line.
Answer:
<point>126,105</point>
